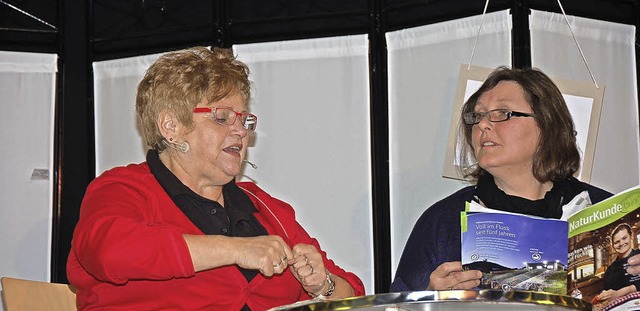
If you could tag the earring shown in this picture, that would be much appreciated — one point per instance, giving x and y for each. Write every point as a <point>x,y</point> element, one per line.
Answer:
<point>182,147</point>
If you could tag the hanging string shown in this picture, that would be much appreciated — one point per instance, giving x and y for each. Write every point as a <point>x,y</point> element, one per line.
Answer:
<point>473,52</point>
<point>584,59</point>
<point>27,14</point>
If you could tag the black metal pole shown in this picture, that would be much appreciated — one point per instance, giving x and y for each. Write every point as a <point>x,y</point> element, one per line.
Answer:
<point>221,24</point>
<point>378,82</point>
<point>74,154</point>
<point>520,37</point>
<point>57,152</point>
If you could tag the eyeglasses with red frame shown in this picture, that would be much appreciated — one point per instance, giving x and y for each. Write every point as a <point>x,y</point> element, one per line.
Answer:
<point>228,116</point>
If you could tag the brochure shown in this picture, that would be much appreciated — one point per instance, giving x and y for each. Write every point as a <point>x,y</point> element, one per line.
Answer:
<point>516,252</point>
<point>524,252</point>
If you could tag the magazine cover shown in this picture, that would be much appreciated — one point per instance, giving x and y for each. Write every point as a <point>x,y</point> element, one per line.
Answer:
<point>601,238</point>
<point>524,252</point>
<point>516,252</point>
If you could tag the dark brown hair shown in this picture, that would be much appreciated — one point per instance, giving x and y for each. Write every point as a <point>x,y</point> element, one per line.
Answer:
<point>557,156</point>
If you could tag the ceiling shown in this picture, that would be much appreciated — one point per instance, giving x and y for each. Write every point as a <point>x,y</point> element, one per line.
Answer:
<point>118,28</point>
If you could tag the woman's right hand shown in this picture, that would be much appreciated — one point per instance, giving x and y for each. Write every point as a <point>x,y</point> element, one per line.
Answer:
<point>450,275</point>
<point>268,254</point>
<point>606,294</point>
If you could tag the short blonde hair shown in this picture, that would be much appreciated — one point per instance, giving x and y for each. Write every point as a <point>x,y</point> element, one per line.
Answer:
<point>179,80</point>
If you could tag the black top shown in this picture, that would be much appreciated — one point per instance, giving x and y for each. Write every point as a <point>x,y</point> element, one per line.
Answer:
<point>435,238</point>
<point>235,219</point>
<point>616,276</point>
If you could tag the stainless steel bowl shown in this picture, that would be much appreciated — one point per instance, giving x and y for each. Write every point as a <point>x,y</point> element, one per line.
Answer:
<point>490,300</point>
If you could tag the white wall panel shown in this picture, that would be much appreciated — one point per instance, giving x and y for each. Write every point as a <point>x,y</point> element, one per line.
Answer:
<point>424,65</point>
<point>610,52</point>
<point>27,85</point>
<point>312,144</point>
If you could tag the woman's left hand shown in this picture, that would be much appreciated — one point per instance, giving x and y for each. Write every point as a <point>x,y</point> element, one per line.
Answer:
<point>308,269</point>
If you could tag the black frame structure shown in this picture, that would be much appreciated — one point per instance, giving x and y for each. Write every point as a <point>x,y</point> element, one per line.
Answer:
<point>82,32</point>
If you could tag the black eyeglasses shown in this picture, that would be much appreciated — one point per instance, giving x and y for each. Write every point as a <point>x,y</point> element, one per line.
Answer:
<point>228,116</point>
<point>496,115</point>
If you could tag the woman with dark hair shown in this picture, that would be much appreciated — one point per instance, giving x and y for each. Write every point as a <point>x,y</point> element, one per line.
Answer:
<point>617,282</point>
<point>520,151</point>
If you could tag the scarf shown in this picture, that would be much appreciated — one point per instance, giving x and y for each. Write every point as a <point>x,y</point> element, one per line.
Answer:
<point>548,207</point>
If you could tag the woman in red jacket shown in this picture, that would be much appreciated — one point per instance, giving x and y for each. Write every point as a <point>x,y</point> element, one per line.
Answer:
<point>177,232</point>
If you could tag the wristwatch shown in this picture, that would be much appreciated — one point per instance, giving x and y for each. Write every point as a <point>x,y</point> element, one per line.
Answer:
<point>332,286</point>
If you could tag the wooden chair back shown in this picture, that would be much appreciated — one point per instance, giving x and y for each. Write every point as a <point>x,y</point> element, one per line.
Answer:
<point>26,295</point>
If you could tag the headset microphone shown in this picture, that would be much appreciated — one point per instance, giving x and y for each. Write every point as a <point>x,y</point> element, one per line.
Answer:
<point>252,165</point>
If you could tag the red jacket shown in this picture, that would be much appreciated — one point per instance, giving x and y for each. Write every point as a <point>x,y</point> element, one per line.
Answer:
<point>128,252</point>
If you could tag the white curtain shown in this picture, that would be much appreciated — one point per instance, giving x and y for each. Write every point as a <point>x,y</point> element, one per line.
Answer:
<point>424,65</point>
<point>27,85</point>
<point>610,52</point>
<point>312,143</point>
<point>118,141</point>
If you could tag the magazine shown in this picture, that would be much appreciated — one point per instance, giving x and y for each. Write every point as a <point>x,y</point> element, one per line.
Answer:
<point>516,252</point>
<point>521,252</point>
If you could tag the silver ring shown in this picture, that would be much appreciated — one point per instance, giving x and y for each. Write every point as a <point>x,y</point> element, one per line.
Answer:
<point>310,266</point>
<point>306,260</point>
<point>277,265</point>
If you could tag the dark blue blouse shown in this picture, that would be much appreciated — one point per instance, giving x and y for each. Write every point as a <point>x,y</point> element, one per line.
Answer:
<point>435,238</point>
